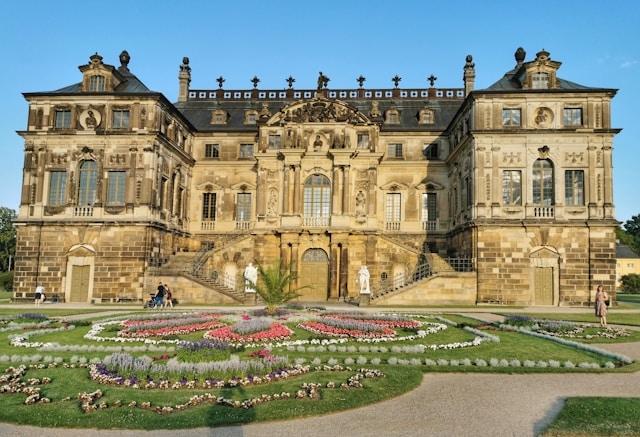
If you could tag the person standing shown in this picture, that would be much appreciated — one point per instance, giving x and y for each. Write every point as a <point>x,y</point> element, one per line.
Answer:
<point>159,299</point>
<point>601,302</point>
<point>168,297</point>
<point>39,295</point>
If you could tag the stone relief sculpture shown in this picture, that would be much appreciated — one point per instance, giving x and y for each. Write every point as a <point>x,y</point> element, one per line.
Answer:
<point>361,207</point>
<point>317,144</point>
<point>272,203</point>
<point>363,280</point>
<point>250,278</point>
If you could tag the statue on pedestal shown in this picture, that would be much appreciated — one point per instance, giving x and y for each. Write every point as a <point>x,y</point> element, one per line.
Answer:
<point>250,278</point>
<point>363,280</point>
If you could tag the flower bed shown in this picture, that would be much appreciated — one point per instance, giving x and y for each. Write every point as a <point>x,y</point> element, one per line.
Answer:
<point>172,330</point>
<point>275,332</point>
<point>388,320</point>
<point>347,328</point>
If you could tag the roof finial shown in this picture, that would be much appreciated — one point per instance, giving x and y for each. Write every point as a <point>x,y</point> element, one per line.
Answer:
<point>361,79</point>
<point>220,81</point>
<point>432,80</point>
<point>396,80</point>
<point>124,61</point>
<point>290,80</point>
<point>255,81</point>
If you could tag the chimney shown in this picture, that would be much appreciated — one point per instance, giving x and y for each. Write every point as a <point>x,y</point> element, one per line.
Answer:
<point>184,80</point>
<point>469,75</point>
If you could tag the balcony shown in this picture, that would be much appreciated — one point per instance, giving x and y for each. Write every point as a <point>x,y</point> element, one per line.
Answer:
<point>315,221</point>
<point>543,211</point>
<point>392,226</point>
<point>208,225</point>
<point>243,225</point>
<point>83,211</point>
<point>430,225</point>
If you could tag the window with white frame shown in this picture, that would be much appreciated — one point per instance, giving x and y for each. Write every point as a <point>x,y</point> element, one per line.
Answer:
<point>246,151</point>
<point>243,207</point>
<point>392,211</point>
<point>540,81</point>
<point>363,141</point>
<point>96,84</point>
<point>429,207</point>
<point>120,119</point>
<point>63,118</point>
<point>511,117</point>
<point>116,182</point>
<point>275,141</point>
<point>87,183</point>
<point>209,207</point>
<point>211,150</point>
<point>394,150</point>
<point>317,196</point>
<point>57,188</point>
<point>542,184</point>
<point>512,187</point>
<point>574,187</point>
<point>572,117</point>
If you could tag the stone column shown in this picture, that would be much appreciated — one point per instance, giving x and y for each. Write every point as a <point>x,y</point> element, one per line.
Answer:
<point>284,255</point>
<point>285,190</point>
<point>345,191</point>
<point>372,198</point>
<point>344,272</point>
<point>337,201</point>
<point>334,290</point>
<point>296,189</point>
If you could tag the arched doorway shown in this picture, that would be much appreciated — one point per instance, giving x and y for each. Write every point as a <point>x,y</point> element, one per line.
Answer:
<point>314,275</point>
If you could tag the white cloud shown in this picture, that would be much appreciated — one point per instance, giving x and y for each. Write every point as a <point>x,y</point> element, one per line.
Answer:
<point>627,64</point>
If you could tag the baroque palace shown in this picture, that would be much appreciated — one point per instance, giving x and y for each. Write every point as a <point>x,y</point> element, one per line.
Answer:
<point>495,195</point>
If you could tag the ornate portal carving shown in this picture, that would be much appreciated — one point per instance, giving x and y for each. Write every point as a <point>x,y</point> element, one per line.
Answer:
<point>319,110</point>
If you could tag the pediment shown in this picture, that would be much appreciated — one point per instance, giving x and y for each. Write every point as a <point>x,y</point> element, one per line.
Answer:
<point>209,186</point>
<point>544,252</point>
<point>81,250</point>
<point>429,185</point>
<point>243,186</point>
<point>319,110</point>
<point>394,186</point>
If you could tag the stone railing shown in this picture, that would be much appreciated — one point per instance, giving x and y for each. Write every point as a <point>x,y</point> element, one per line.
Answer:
<point>208,225</point>
<point>243,225</point>
<point>315,221</point>
<point>430,225</point>
<point>392,226</point>
<point>543,211</point>
<point>83,211</point>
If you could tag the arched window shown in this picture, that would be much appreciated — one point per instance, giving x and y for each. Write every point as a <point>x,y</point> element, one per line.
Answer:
<point>96,84</point>
<point>87,183</point>
<point>543,183</point>
<point>317,196</point>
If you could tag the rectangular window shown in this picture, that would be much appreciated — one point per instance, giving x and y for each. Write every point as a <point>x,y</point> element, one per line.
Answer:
<point>57,188</point>
<point>431,151</point>
<point>274,141</point>
<point>540,81</point>
<point>243,207</point>
<point>392,208</point>
<point>63,118</point>
<point>209,207</point>
<point>574,187</point>
<point>511,117</point>
<point>115,187</point>
<point>572,117</point>
<point>363,141</point>
<point>246,151</point>
<point>429,207</point>
<point>96,84</point>
<point>120,119</point>
<point>512,187</point>
<point>211,150</point>
<point>394,150</point>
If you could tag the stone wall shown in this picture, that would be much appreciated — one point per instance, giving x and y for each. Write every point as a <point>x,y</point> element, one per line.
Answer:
<point>442,289</point>
<point>187,291</point>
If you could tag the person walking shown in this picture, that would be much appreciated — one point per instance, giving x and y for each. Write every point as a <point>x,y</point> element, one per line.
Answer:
<point>601,303</point>
<point>168,297</point>
<point>39,295</point>
<point>159,299</point>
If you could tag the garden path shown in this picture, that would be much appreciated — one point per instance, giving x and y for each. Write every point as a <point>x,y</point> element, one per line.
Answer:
<point>461,404</point>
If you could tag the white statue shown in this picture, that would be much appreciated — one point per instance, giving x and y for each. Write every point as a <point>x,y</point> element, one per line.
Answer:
<point>363,280</point>
<point>250,278</point>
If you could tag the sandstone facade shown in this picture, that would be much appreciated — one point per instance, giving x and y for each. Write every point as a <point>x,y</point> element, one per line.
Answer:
<point>506,191</point>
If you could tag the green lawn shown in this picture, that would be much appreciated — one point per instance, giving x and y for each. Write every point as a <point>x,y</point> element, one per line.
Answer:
<point>630,299</point>
<point>52,312</point>
<point>597,417</point>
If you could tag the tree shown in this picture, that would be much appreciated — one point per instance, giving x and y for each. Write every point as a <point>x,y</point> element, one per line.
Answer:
<point>7,237</point>
<point>632,226</point>
<point>274,286</point>
<point>630,283</point>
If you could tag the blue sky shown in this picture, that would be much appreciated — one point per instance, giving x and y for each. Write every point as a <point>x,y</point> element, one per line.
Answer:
<point>44,42</point>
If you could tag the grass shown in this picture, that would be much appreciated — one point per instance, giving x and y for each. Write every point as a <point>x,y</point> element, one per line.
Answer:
<point>52,312</point>
<point>597,416</point>
<point>632,319</point>
<point>5,296</point>
<point>629,299</point>
<point>398,380</point>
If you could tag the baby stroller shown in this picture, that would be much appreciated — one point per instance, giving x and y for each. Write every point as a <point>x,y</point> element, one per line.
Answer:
<point>151,303</point>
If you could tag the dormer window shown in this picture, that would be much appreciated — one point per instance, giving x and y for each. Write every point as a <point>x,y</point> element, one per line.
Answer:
<point>426,116</point>
<point>96,84</point>
<point>392,116</point>
<point>219,117</point>
<point>540,81</point>
<point>250,117</point>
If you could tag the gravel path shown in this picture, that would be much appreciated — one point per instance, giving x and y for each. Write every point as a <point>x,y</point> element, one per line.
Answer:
<point>460,404</point>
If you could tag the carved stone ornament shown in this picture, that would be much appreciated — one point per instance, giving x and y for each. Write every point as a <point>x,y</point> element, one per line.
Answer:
<point>543,152</point>
<point>375,109</point>
<point>319,110</point>
<point>361,207</point>
<point>90,118</point>
<point>272,203</point>
<point>543,117</point>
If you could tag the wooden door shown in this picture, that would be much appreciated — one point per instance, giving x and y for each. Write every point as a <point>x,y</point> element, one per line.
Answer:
<point>543,283</point>
<point>314,275</point>
<point>80,283</point>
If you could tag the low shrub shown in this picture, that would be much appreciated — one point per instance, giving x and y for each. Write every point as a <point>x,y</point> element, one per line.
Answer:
<point>6,281</point>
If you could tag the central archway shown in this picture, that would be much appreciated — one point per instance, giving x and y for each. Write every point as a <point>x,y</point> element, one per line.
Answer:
<point>314,275</point>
